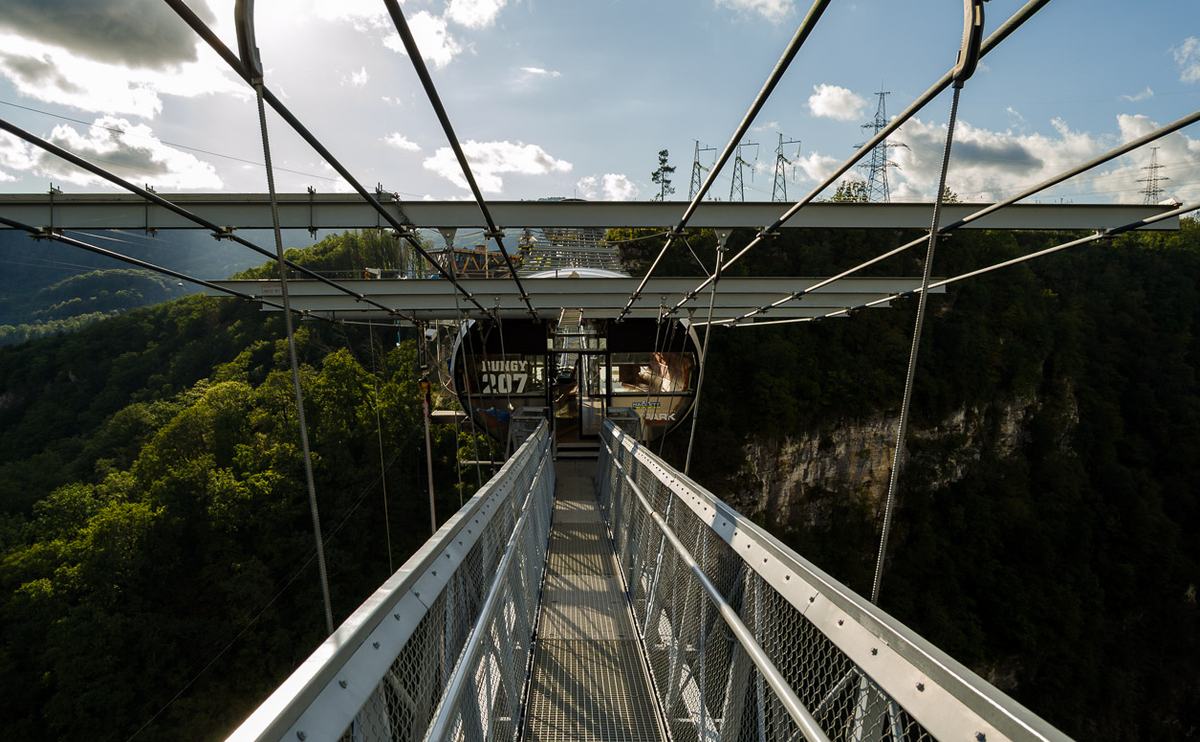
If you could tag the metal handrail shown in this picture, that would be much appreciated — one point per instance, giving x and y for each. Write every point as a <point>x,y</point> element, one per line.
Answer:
<point>876,653</point>
<point>324,696</point>
<point>465,669</point>
<point>774,678</point>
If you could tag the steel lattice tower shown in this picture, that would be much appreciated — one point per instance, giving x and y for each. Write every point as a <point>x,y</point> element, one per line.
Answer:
<point>1153,192</point>
<point>878,163</point>
<point>697,168</point>
<point>737,190</point>
<point>779,190</point>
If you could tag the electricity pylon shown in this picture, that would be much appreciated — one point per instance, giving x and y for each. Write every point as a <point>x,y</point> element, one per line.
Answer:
<point>697,180</point>
<point>779,190</point>
<point>878,163</point>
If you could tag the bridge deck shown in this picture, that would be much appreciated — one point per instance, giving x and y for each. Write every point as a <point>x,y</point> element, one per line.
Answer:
<point>589,679</point>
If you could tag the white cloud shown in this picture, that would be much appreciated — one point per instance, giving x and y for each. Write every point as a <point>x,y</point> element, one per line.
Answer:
<point>434,41</point>
<point>55,75</point>
<point>608,187</point>
<point>15,154</point>
<point>357,79</point>
<point>1015,114</point>
<point>1146,94</point>
<point>392,100</point>
<point>128,33</point>
<point>490,160</point>
<point>832,101</point>
<point>991,165</point>
<point>1187,56</point>
<point>399,141</point>
<point>370,16</point>
<point>474,13</point>
<point>773,10</point>
<point>364,15</point>
<point>817,167</point>
<point>769,126</point>
<point>539,72</point>
<point>128,150</point>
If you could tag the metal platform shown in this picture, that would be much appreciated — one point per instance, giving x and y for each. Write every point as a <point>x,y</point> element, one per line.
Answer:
<point>589,680</point>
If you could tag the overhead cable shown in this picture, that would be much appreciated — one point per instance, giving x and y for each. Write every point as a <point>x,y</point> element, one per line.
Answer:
<point>59,237</point>
<point>1055,180</point>
<point>1096,237</point>
<point>244,18</point>
<point>404,230</point>
<point>218,231</point>
<point>968,58</point>
<point>1002,33</point>
<point>418,62</point>
<point>793,48</point>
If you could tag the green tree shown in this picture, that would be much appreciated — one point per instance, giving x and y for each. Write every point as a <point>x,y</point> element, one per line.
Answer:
<point>662,175</point>
<point>850,191</point>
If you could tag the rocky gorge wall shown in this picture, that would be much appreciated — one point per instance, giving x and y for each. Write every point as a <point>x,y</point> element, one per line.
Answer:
<point>789,481</point>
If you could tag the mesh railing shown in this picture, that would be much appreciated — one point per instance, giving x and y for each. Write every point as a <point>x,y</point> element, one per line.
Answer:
<point>441,650</point>
<point>746,640</point>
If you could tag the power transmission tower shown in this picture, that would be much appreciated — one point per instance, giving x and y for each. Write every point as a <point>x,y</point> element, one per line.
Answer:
<point>697,181</point>
<point>1152,193</point>
<point>779,190</point>
<point>878,163</point>
<point>736,188</point>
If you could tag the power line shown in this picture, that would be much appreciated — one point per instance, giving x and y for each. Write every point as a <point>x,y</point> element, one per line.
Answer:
<point>1101,235</point>
<point>997,37</point>
<point>789,54</point>
<point>414,55</point>
<point>218,231</point>
<point>402,228</point>
<point>1061,177</point>
<point>122,132</point>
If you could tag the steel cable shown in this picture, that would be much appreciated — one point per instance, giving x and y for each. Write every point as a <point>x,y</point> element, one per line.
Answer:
<point>789,54</point>
<point>1018,18</point>
<point>1053,181</point>
<point>204,32</point>
<point>414,55</point>
<point>295,364</point>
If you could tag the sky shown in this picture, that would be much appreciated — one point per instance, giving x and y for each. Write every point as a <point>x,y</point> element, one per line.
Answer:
<point>575,98</point>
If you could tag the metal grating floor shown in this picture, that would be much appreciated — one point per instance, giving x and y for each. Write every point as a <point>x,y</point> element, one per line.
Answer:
<point>589,679</point>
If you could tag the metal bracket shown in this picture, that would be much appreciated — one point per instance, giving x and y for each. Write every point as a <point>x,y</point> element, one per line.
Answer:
<point>53,191</point>
<point>312,207</point>
<point>224,233</point>
<point>150,230</point>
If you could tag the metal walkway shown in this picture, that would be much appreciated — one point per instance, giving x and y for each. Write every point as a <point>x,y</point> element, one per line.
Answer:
<point>588,680</point>
<point>517,621</point>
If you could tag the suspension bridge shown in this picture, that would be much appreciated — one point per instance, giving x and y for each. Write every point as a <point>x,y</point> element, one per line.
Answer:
<point>605,596</point>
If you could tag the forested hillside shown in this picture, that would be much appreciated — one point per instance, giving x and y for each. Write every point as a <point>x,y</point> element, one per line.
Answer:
<point>47,287</point>
<point>1063,564</point>
<point>155,520</point>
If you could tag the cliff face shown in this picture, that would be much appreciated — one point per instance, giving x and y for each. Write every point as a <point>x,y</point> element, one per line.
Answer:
<point>789,480</point>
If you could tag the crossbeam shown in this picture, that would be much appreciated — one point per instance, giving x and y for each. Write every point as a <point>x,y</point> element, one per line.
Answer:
<point>599,298</point>
<point>338,211</point>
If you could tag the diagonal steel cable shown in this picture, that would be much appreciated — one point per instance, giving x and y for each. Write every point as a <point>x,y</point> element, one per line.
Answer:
<point>1002,33</point>
<point>1096,237</point>
<point>218,231</point>
<point>414,54</point>
<point>1053,181</point>
<point>403,229</point>
<point>789,54</point>
<point>73,242</point>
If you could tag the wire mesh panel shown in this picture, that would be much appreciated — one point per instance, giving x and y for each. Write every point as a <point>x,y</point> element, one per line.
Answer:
<point>458,616</point>
<point>748,641</point>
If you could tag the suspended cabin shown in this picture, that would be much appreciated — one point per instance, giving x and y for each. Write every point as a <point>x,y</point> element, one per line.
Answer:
<point>575,372</point>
